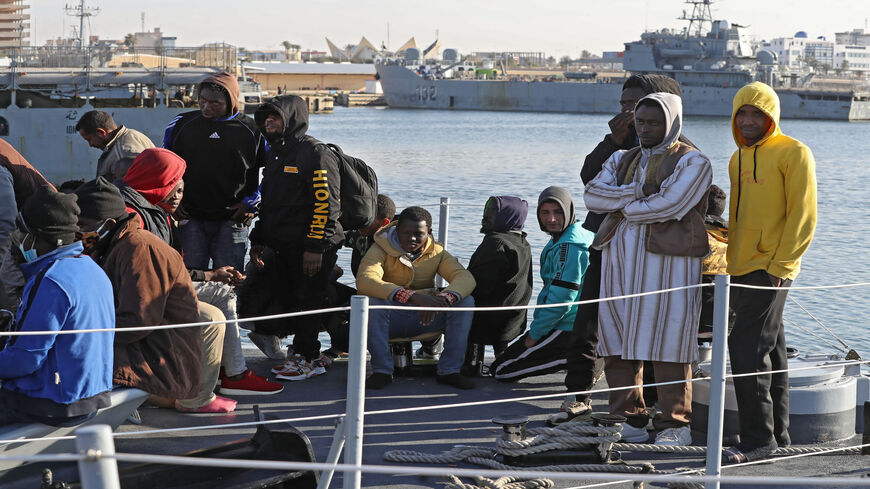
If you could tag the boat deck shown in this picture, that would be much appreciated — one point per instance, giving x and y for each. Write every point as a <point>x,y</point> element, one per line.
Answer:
<point>426,431</point>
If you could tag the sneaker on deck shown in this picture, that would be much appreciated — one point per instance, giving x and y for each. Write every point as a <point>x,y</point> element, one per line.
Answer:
<point>630,434</point>
<point>319,364</point>
<point>674,437</point>
<point>297,368</point>
<point>571,408</point>
<point>269,344</point>
<point>249,385</point>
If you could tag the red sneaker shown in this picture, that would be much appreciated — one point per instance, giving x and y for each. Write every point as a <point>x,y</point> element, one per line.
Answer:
<point>250,385</point>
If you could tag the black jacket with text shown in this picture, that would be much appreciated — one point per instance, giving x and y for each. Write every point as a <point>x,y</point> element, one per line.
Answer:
<point>301,186</point>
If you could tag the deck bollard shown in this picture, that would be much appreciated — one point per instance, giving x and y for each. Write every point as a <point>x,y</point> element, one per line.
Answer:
<point>99,470</point>
<point>716,412</point>
<point>356,388</point>
<point>443,219</point>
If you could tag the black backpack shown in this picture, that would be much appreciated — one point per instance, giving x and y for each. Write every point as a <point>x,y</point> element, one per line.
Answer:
<point>359,190</point>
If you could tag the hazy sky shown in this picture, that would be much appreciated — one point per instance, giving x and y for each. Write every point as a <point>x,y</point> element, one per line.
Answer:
<point>557,28</point>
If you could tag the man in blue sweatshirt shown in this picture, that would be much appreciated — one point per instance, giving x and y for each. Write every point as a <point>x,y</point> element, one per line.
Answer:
<point>544,348</point>
<point>56,379</point>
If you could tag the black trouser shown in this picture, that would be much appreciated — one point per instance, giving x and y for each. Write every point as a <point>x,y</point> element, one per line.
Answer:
<point>279,287</point>
<point>757,344</point>
<point>584,336</point>
<point>544,357</point>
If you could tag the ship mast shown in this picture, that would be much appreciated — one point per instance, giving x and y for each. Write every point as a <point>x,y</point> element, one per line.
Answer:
<point>81,11</point>
<point>701,19</point>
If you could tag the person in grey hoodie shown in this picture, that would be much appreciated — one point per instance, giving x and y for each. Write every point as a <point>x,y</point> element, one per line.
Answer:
<point>502,268</point>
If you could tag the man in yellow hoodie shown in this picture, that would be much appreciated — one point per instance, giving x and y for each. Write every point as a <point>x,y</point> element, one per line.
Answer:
<point>772,220</point>
<point>399,269</point>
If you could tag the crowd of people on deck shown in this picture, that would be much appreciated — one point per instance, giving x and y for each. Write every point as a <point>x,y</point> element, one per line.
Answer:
<point>161,237</point>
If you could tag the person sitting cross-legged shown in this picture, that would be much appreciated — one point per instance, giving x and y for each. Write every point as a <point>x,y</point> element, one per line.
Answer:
<point>399,269</point>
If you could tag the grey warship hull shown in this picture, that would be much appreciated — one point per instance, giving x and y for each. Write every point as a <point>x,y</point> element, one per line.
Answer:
<point>403,88</point>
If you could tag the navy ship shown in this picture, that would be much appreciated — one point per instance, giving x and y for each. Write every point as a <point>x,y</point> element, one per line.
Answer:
<point>710,58</point>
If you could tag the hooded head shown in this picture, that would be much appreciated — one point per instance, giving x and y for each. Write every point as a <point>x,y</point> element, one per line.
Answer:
<point>758,96</point>
<point>50,218</point>
<point>154,173</point>
<point>672,107</point>
<point>228,86</point>
<point>504,213</point>
<point>293,112</point>
<point>561,197</point>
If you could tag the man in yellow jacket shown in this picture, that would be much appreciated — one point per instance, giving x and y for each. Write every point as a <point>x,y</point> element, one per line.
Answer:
<point>399,269</point>
<point>772,220</point>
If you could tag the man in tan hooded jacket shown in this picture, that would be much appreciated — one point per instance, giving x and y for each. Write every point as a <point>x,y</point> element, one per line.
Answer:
<point>399,269</point>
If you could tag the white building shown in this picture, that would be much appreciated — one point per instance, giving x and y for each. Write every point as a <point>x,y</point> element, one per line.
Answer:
<point>852,57</point>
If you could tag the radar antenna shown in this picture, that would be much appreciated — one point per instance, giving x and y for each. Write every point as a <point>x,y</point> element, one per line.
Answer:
<point>82,12</point>
<point>701,19</point>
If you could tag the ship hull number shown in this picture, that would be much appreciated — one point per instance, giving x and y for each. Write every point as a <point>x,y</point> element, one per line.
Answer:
<point>425,94</point>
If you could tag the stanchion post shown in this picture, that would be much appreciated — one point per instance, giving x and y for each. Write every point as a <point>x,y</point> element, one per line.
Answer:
<point>716,412</point>
<point>99,470</point>
<point>333,456</point>
<point>443,221</point>
<point>356,388</point>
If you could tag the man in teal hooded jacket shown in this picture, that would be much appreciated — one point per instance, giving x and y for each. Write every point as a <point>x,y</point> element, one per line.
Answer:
<point>544,348</point>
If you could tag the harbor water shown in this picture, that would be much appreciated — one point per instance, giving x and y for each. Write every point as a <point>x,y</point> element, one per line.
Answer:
<point>422,155</point>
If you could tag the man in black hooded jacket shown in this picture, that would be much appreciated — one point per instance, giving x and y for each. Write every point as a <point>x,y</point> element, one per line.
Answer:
<point>296,240</point>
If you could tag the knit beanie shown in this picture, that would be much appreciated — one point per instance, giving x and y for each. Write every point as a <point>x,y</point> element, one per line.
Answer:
<point>716,201</point>
<point>154,173</point>
<point>51,215</point>
<point>100,200</point>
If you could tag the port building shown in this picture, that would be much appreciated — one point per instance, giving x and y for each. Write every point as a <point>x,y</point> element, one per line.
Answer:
<point>311,76</point>
<point>14,24</point>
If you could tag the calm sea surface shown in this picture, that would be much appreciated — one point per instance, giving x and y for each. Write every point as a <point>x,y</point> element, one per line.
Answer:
<point>422,155</point>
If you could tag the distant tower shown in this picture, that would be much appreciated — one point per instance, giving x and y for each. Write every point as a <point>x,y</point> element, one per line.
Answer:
<point>701,19</point>
<point>14,24</point>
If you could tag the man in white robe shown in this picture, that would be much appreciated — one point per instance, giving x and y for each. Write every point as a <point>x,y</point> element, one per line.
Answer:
<point>652,239</point>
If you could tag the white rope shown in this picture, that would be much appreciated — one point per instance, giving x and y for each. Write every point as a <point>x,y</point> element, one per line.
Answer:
<point>340,309</point>
<point>440,471</point>
<point>176,326</point>
<point>847,347</point>
<point>412,308</point>
<point>804,287</point>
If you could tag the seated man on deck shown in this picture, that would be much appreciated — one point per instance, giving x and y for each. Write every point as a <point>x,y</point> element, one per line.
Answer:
<point>544,348</point>
<point>399,269</point>
<point>152,189</point>
<point>178,367</point>
<point>60,380</point>
<point>502,268</point>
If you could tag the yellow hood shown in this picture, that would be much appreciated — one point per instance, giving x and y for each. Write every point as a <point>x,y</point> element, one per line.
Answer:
<point>763,97</point>
<point>773,195</point>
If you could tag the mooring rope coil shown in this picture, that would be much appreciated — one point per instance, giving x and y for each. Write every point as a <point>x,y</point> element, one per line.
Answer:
<point>509,482</point>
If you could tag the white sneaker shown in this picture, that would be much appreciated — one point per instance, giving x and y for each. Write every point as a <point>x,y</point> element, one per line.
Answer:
<point>269,344</point>
<point>675,437</point>
<point>631,434</point>
<point>571,408</point>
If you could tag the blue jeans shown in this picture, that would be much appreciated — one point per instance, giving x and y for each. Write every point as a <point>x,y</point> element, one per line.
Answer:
<point>221,242</point>
<point>394,323</point>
